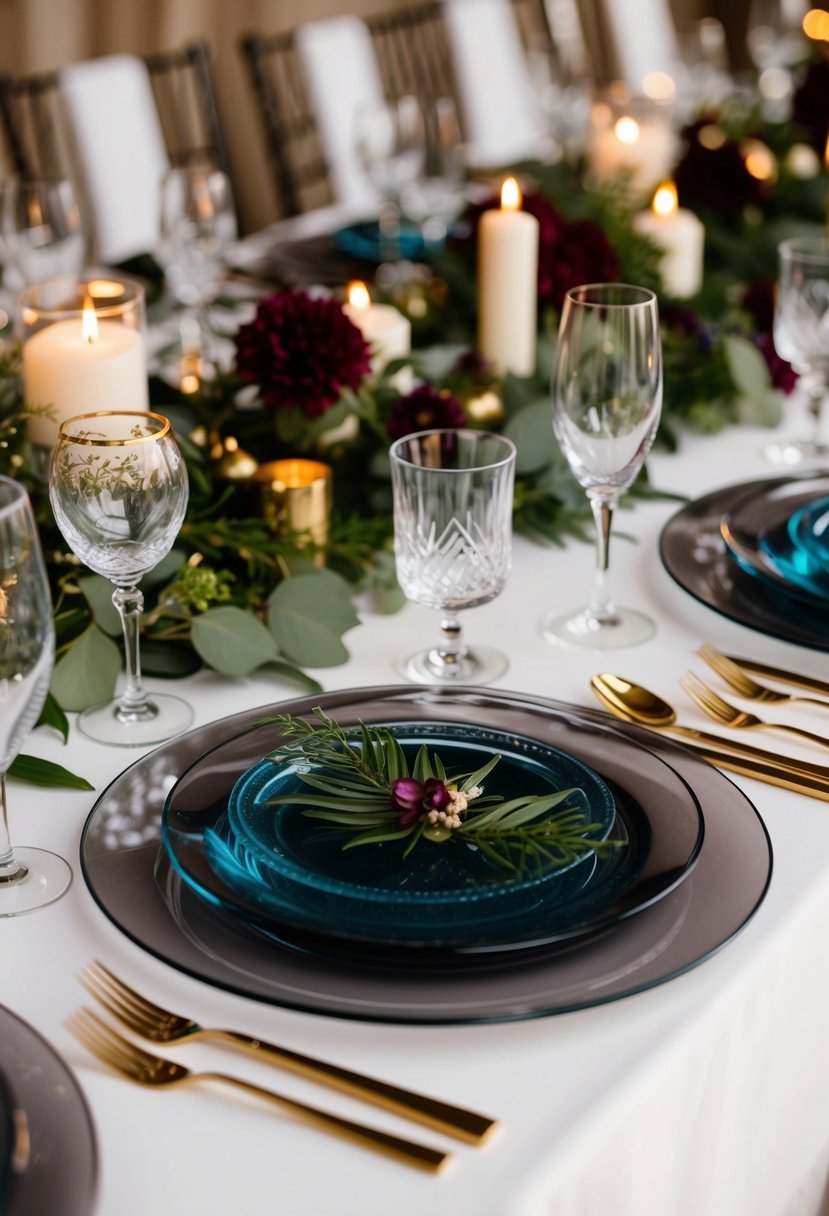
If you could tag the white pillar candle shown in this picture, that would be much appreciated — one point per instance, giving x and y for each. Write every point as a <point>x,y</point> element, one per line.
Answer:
<point>68,371</point>
<point>643,146</point>
<point>681,236</point>
<point>508,284</point>
<point>387,331</point>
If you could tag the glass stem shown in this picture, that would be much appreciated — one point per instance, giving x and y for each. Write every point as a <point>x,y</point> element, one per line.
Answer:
<point>133,705</point>
<point>450,650</point>
<point>601,605</point>
<point>10,868</point>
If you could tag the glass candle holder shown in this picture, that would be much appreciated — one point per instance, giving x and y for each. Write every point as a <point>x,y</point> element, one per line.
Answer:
<point>83,350</point>
<point>297,498</point>
<point>631,134</point>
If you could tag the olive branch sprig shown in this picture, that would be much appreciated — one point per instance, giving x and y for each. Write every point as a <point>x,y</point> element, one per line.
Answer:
<point>359,781</point>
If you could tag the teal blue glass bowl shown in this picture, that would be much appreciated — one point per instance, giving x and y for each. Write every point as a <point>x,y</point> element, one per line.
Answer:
<point>296,869</point>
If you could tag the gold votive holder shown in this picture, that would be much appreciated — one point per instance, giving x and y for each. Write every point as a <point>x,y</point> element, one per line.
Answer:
<point>296,499</point>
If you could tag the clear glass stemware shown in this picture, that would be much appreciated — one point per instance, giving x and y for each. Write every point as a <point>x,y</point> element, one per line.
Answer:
<point>389,139</point>
<point>29,878</point>
<point>607,400</point>
<point>453,541</point>
<point>118,487</point>
<point>42,228</point>
<point>801,334</point>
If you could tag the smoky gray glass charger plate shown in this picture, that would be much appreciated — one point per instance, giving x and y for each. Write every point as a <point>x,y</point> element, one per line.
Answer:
<point>132,879</point>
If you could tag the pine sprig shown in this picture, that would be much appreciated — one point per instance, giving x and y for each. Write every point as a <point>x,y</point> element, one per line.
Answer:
<point>359,781</point>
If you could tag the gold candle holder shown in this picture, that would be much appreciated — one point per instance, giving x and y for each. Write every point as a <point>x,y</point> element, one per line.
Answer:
<point>296,498</point>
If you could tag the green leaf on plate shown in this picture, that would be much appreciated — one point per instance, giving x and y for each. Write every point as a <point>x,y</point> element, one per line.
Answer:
<point>87,672</point>
<point>52,715</point>
<point>44,772</point>
<point>232,641</point>
<point>307,616</point>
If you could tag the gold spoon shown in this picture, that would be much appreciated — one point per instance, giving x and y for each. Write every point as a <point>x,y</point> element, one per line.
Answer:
<point>633,703</point>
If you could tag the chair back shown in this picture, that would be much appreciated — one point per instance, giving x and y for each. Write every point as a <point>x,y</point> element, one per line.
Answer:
<point>185,98</point>
<point>501,117</point>
<point>30,110</point>
<point>412,49</point>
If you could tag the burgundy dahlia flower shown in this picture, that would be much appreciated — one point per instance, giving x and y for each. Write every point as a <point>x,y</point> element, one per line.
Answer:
<point>301,352</point>
<point>423,409</point>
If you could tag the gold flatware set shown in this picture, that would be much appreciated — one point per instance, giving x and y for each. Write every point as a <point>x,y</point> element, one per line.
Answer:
<point>162,1026</point>
<point>633,703</point>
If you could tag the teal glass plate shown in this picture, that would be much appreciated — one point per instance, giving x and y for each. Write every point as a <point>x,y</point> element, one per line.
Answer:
<point>363,241</point>
<point>441,894</point>
<point>809,533</point>
<point>659,830</point>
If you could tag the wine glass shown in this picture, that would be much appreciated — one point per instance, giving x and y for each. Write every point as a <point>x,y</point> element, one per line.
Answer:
<point>118,487</point>
<point>801,332</point>
<point>776,43</point>
<point>29,878</point>
<point>607,399</point>
<point>42,228</point>
<point>437,195</point>
<point>390,143</point>
<point>452,540</point>
<point>198,221</point>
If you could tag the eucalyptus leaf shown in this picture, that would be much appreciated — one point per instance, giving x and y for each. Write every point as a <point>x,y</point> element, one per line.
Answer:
<point>87,672</point>
<point>166,570</point>
<point>531,430</point>
<point>52,715</point>
<point>232,641</point>
<point>169,660</point>
<point>36,771</point>
<point>97,592</point>
<point>748,368</point>
<point>288,671</point>
<point>307,617</point>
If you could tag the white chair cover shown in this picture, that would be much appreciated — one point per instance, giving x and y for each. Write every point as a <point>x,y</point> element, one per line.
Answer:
<point>500,111</point>
<point>341,72</point>
<point>645,38</point>
<point>119,150</point>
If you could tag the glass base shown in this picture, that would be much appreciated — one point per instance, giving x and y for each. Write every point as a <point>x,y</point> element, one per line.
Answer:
<point>789,453</point>
<point>168,716</point>
<point>583,629</point>
<point>475,666</point>
<point>47,877</point>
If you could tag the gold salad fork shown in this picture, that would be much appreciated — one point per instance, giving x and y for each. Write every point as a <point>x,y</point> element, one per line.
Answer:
<point>118,1053</point>
<point>160,1025</point>
<point>723,711</point>
<point>743,684</point>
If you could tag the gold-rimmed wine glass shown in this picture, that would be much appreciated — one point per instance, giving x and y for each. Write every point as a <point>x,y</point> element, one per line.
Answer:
<point>118,488</point>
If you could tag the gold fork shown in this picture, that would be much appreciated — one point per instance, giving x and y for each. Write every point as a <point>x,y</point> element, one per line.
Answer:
<point>722,711</point>
<point>160,1025</point>
<point>118,1053</point>
<point>743,684</point>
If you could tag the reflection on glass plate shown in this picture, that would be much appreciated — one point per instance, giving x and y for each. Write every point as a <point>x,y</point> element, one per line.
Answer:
<point>440,894</point>
<point>129,875</point>
<point>696,556</point>
<point>365,241</point>
<point>772,532</point>
<point>50,1163</point>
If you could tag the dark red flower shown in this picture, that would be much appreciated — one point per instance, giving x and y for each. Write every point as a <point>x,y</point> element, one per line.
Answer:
<point>302,352</point>
<point>783,375</point>
<point>423,409</point>
<point>758,301</point>
<point>415,798</point>
<point>714,178</point>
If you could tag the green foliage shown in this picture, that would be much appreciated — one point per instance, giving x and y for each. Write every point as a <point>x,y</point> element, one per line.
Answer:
<point>46,773</point>
<point>87,672</point>
<point>308,615</point>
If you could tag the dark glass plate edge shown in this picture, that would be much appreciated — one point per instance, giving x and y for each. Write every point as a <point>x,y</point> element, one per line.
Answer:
<point>26,1038</point>
<point>387,1017</point>
<point>774,625</point>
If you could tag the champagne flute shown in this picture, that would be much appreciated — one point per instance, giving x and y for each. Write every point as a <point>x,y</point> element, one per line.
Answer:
<point>29,878</point>
<point>452,538</point>
<point>607,400</point>
<point>118,487</point>
<point>801,333</point>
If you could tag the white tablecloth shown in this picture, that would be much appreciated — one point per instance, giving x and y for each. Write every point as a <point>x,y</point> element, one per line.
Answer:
<point>706,1096</point>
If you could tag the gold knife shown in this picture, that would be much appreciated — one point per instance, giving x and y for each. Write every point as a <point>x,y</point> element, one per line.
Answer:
<point>808,683</point>
<point>812,787</point>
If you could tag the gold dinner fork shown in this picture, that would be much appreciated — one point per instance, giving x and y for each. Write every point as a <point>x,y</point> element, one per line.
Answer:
<point>118,1053</point>
<point>160,1025</point>
<point>743,684</point>
<point>723,711</point>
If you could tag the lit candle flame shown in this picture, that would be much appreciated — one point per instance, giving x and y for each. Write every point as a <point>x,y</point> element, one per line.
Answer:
<point>511,195</point>
<point>665,200</point>
<point>358,296</point>
<point>627,130</point>
<point>89,322</point>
